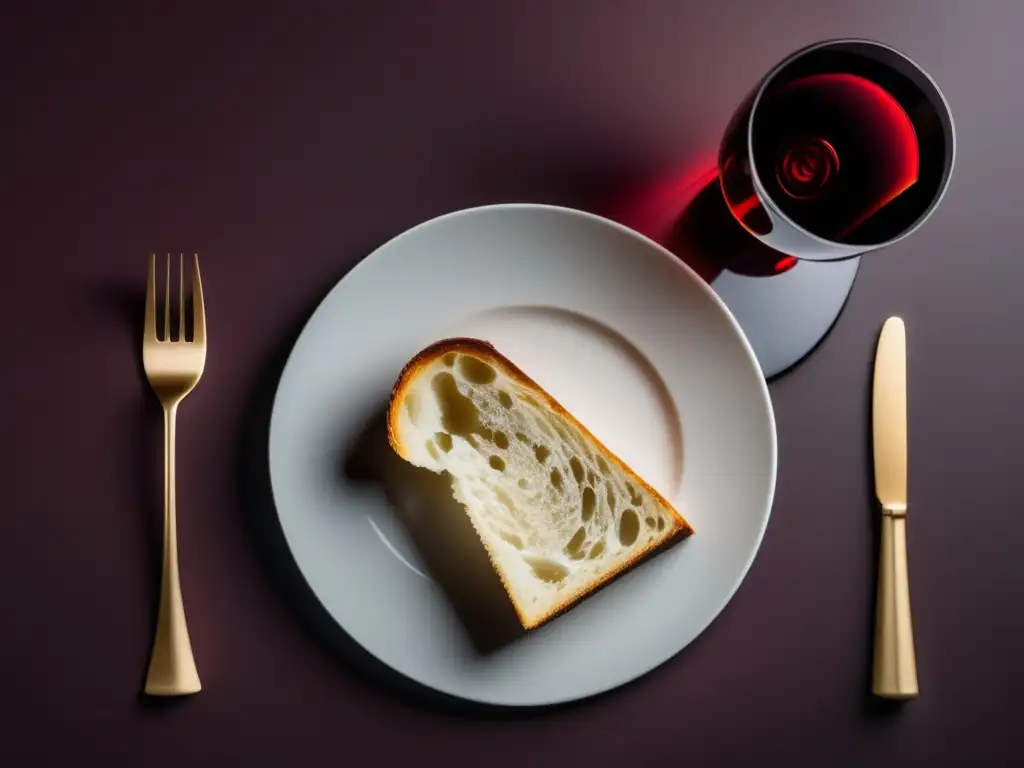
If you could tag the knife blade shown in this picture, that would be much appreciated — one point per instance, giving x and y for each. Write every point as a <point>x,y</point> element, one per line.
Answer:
<point>895,664</point>
<point>889,406</point>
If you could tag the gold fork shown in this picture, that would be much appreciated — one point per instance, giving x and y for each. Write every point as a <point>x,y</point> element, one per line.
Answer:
<point>173,367</point>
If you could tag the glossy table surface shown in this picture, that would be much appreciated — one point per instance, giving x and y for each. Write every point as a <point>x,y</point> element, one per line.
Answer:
<point>283,143</point>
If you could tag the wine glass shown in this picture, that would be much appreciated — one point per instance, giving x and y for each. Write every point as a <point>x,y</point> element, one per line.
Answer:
<point>842,148</point>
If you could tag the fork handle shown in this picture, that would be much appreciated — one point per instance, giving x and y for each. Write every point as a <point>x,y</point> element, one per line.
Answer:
<point>172,668</point>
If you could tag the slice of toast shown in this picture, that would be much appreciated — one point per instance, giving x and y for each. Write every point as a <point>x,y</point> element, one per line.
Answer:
<point>558,513</point>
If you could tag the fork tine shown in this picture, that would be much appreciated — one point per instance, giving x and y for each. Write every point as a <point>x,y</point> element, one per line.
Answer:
<point>167,301</point>
<point>181,297</point>
<point>149,328</point>
<point>198,309</point>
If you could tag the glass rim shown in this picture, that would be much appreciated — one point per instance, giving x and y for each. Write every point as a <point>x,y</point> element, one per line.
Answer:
<point>942,108</point>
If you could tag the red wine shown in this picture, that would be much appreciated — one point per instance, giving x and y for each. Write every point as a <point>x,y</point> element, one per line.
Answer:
<point>832,149</point>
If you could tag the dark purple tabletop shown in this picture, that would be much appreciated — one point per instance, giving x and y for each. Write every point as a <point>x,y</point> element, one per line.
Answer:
<point>284,143</point>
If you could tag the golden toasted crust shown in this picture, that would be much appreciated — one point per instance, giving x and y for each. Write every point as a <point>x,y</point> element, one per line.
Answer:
<point>681,529</point>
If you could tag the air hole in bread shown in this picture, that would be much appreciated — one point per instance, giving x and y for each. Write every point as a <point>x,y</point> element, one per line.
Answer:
<point>523,483</point>
<point>432,450</point>
<point>458,414</point>
<point>611,496</point>
<point>522,438</point>
<point>512,539</point>
<point>475,370</point>
<point>501,440</point>
<point>497,463</point>
<point>412,406</point>
<point>661,523</point>
<point>592,477</point>
<point>588,503</point>
<point>596,550</point>
<point>546,570</point>
<point>649,521</point>
<point>541,452</point>
<point>634,496</point>
<point>505,499</point>
<point>556,480</point>
<point>603,465</point>
<point>574,549</point>
<point>444,441</point>
<point>530,400</point>
<point>629,527</point>
<point>505,398</point>
<point>449,359</point>
<point>577,469</point>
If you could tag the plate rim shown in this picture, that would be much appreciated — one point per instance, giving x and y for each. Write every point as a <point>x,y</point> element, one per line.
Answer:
<point>703,286</point>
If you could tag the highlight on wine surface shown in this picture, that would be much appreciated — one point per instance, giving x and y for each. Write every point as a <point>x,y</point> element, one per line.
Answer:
<point>844,147</point>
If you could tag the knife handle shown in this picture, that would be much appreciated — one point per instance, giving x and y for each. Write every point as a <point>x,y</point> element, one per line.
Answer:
<point>895,663</point>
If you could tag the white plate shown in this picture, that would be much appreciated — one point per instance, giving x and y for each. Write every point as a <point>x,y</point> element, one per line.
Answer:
<point>628,338</point>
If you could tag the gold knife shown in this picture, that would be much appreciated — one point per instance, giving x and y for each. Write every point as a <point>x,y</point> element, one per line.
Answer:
<point>895,663</point>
